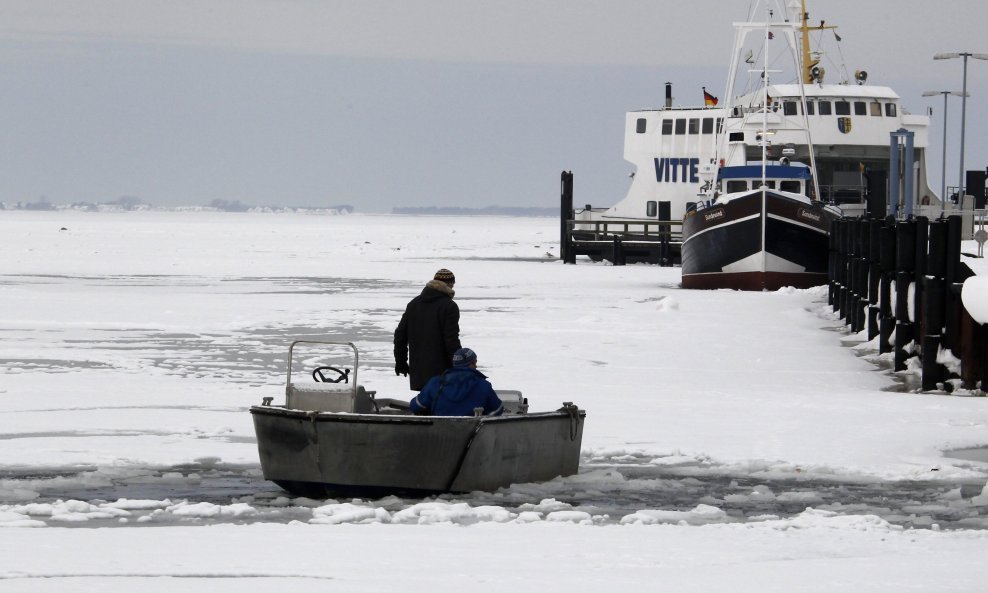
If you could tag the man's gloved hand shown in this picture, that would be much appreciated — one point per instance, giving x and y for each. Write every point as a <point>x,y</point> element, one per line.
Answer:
<point>401,368</point>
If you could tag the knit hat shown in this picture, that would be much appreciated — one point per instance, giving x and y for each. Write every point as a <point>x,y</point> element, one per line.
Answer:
<point>446,276</point>
<point>464,357</point>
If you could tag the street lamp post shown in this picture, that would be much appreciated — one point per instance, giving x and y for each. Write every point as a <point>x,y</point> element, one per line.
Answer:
<point>965,55</point>
<point>943,168</point>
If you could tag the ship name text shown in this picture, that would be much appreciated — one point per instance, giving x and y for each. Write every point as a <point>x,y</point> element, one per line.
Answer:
<point>677,170</point>
<point>809,215</point>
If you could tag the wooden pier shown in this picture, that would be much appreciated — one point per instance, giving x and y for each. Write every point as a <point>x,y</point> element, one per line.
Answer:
<point>620,241</point>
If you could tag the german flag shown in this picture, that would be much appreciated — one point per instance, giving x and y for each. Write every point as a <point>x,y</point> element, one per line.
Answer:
<point>708,99</point>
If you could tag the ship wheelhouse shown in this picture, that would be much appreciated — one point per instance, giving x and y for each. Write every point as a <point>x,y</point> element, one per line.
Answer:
<point>789,179</point>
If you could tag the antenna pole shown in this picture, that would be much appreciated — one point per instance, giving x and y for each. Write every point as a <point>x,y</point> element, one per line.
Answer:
<point>807,66</point>
<point>808,61</point>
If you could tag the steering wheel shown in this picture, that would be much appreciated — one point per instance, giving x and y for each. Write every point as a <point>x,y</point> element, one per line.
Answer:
<point>318,377</point>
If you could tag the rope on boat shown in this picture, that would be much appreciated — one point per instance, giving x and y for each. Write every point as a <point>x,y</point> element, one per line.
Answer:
<point>574,418</point>
<point>463,457</point>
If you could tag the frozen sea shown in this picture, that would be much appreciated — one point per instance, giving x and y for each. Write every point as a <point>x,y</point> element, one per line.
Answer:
<point>742,442</point>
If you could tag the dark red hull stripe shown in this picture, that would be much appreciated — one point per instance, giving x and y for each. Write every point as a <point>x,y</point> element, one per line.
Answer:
<point>753,280</point>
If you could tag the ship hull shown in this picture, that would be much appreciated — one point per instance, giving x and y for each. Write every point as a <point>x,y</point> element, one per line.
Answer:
<point>744,245</point>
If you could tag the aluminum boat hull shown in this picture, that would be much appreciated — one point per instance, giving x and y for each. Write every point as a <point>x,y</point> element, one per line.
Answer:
<point>318,454</point>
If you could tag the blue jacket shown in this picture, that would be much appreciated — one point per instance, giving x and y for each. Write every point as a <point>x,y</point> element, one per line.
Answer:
<point>457,392</point>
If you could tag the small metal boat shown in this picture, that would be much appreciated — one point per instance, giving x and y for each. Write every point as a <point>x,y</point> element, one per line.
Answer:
<point>332,437</point>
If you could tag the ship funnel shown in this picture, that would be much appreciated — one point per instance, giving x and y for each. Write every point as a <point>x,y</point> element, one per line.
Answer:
<point>668,95</point>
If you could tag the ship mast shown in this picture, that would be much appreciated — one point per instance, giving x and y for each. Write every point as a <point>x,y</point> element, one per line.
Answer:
<point>808,61</point>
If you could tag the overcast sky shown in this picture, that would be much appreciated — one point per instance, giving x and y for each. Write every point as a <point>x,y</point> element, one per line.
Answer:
<point>380,103</point>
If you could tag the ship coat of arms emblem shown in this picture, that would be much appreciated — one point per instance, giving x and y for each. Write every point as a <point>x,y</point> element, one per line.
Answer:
<point>844,125</point>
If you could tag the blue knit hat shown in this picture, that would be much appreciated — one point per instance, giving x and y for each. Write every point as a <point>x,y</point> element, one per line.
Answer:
<point>463,357</point>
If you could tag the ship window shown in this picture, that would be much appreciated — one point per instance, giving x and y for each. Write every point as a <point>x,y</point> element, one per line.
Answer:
<point>890,109</point>
<point>842,108</point>
<point>680,127</point>
<point>667,127</point>
<point>708,125</point>
<point>809,107</point>
<point>640,126</point>
<point>736,185</point>
<point>769,183</point>
<point>736,137</point>
<point>860,108</point>
<point>790,185</point>
<point>876,108</point>
<point>825,108</point>
<point>789,108</point>
<point>651,208</point>
<point>694,126</point>
<point>720,125</point>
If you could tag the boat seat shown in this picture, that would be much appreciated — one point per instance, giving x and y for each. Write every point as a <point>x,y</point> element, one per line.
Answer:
<point>329,397</point>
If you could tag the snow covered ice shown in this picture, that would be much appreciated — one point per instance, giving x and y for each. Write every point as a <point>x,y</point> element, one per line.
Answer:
<point>733,441</point>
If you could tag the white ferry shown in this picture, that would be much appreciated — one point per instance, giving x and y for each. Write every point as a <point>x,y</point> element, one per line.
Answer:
<point>846,122</point>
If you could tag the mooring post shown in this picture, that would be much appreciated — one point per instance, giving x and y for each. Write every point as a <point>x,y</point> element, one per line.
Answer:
<point>834,257</point>
<point>905,264</point>
<point>922,241</point>
<point>886,315</point>
<point>932,322</point>
<point>617,252</point>
<point>932,306</point>
<point>565,216</point>
<point>853,295</point>
<point>874,275</point>
<point>665,233</point>
<point>847,273</point>
<point>952,275</point>
<point>851,301</point>
<point>903,328</point>
<point>836,228</point>
<point>864,266</point>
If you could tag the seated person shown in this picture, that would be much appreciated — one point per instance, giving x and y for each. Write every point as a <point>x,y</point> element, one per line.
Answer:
<point>458,390</point>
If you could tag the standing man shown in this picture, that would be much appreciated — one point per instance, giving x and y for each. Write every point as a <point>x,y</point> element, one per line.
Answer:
<point>429,332</point>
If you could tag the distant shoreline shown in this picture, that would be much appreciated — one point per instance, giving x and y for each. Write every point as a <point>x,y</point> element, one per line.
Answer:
<point>237,208</point>
<point>486,211</point>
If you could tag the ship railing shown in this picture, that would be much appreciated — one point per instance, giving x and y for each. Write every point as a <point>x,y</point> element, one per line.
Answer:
<point>843,194</point>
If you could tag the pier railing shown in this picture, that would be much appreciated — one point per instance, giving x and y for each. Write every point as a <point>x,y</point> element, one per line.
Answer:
<point>901,281</point>
<point>618,240</point>
<point>622,240</point>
